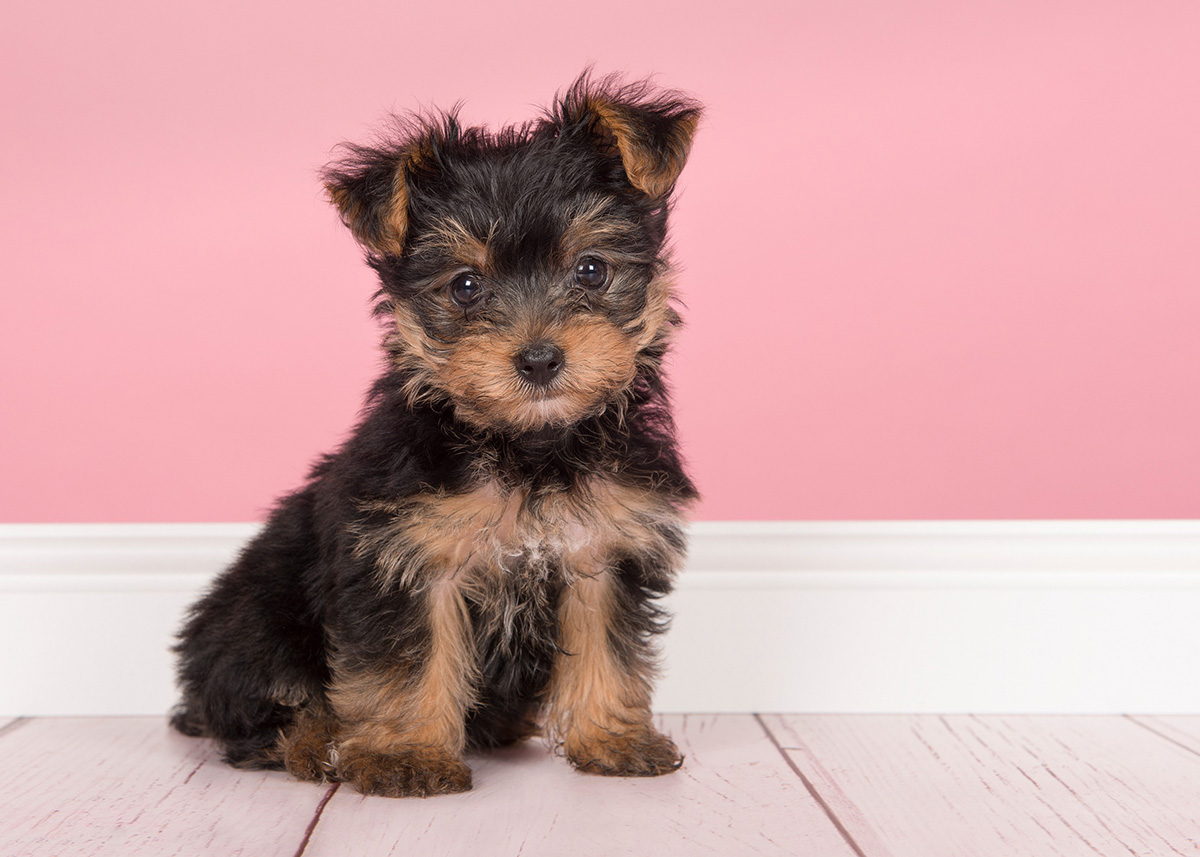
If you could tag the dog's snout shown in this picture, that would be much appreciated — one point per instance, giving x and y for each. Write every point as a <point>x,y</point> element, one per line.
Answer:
<point>539,363</point>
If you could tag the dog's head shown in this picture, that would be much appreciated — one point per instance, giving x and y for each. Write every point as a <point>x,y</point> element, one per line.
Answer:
<point>525,269</point>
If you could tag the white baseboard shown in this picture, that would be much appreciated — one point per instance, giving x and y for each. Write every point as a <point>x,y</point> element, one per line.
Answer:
<point>1035,617</point>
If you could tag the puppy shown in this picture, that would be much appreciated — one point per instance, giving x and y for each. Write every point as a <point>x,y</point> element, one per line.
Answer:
<point>481,560</point>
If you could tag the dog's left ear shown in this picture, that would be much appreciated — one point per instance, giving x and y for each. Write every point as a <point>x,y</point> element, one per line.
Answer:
<point>650,129</point>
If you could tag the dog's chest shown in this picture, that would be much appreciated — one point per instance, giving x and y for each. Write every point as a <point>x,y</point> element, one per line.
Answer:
<point>491,530</point>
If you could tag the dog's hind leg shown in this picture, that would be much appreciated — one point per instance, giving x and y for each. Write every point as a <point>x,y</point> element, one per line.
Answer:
<point>252,650</point>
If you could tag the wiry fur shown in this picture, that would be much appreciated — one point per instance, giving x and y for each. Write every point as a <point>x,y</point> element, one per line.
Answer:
<point>483,554</point>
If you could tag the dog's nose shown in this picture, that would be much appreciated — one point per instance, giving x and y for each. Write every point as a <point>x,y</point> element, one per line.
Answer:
<point>539,363</point>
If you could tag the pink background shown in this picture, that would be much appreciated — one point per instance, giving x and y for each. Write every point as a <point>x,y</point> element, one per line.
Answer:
<point>941,259</point>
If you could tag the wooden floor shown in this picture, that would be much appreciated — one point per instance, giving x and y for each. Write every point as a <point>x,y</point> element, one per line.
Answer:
<point>812,785</point>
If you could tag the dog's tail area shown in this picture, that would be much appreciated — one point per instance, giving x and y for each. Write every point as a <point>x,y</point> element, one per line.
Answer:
<point>229,700</point>
<point>252,649</point>
<point>187,719</point>
<point>248,734</point>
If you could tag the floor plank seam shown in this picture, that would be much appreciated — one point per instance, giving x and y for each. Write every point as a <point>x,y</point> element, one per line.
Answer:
<point>1150,728</point>
<point>837,822</point>
<point>312,825</point>
<point>906,785</point>
<point>14,726</point>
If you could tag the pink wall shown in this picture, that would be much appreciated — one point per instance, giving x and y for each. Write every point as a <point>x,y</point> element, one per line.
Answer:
<point>941,259</point>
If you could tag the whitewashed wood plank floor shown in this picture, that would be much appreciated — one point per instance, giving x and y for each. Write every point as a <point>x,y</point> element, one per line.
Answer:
<point>812,785</point>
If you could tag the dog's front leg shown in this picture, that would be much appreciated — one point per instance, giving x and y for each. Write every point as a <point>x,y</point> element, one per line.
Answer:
<point>600,685</point>
<point>402,719</point>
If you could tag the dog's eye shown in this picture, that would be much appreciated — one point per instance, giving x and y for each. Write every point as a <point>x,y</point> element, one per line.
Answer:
<point>592,273</point>
<point>466,289</point>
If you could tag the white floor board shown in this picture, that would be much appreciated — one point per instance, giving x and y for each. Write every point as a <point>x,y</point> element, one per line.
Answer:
<point>1183,730</point>
<point>735,795</point>
<point>812,785</point>
<point>132,787</point>
<point>1000,786</point>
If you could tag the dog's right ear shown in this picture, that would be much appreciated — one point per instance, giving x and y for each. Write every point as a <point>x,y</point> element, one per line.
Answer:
<point>370,188</point>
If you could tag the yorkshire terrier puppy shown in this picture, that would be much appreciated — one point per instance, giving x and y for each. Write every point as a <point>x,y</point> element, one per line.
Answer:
<point>482,558</point>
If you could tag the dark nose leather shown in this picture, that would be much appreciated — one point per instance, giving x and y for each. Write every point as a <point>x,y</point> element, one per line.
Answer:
<point>539,363</point>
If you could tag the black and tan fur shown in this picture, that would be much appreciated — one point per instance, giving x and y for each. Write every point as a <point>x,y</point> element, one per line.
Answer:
<point>481,559</point>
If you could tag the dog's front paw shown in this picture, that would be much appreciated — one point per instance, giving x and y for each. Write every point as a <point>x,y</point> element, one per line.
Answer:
<point>409,773</point>
<point>638,753</point>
